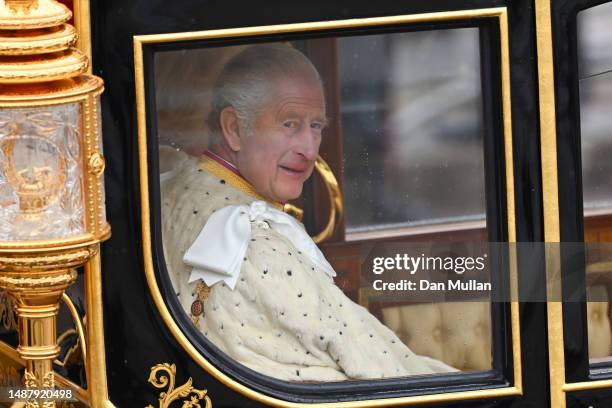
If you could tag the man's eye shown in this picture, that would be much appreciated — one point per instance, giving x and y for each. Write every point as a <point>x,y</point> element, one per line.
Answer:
<point>291,124</point>
<point>316,125</point>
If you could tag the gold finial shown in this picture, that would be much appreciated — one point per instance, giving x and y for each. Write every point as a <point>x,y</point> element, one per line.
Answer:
<point>32,14</point>
<point>37,42</point>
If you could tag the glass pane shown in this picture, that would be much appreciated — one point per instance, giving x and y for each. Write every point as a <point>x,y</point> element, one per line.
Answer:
<point>412,135</point>
<point>412,129</point>
<point>595,82</point>
<point>595,76</point>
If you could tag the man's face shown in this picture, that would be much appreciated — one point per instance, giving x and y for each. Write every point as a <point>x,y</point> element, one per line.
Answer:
<point>279,153</point>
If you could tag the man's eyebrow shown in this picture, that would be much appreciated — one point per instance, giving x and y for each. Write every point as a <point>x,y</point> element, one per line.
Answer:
<point>289,104</point>
<point>290,111</point>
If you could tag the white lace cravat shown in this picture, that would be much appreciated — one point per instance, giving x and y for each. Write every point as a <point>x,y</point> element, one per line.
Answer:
<point>218,251</point>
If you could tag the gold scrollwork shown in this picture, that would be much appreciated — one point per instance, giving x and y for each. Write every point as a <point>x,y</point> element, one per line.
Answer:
<point>74,355</point>
<point>30,381</point>
<point>172,394</point>
<point>8,319</point>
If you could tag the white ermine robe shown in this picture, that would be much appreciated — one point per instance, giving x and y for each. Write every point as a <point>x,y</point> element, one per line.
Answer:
<point>285,318</point>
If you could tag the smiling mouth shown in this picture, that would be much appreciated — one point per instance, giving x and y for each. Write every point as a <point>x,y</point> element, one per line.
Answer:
<point>293,171</point>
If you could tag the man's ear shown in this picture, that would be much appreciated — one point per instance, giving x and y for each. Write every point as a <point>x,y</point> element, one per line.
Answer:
<point>228,120</point>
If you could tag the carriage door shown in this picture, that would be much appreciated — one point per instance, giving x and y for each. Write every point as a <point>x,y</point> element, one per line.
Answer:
<point>579,42</point>
<point>426,199</point>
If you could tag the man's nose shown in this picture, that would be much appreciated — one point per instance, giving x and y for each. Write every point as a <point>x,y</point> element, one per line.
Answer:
<point>309,143</point>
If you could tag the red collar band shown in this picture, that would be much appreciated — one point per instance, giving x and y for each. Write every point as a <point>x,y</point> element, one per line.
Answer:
<point>223,162</point>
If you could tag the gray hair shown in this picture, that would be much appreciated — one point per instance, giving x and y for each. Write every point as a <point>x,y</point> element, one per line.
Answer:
<point>246,80</point>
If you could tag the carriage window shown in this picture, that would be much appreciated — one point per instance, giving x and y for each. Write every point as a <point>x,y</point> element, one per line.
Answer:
<point>412,129</point>
<point>595,82</point>
<point>239,130</point>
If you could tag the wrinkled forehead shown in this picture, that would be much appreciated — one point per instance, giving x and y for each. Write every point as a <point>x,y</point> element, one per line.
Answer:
<point>298,93</point>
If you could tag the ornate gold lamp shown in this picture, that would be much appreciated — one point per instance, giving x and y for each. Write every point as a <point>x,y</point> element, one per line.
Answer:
<point>52,215</point>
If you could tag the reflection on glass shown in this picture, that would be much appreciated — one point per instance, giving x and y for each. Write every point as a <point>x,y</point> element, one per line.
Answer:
<point>412,129</point>
<point>595,82</point>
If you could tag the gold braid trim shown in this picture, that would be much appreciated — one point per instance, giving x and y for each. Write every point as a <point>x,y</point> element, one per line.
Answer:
<point>234,180</point>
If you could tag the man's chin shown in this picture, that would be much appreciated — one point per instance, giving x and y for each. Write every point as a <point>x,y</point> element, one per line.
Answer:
<point>289,194</point>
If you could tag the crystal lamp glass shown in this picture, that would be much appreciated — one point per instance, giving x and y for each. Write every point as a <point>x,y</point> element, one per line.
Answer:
<point>41,180</point>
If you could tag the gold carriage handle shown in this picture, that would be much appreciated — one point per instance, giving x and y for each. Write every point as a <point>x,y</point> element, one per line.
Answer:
<point>336,203</point>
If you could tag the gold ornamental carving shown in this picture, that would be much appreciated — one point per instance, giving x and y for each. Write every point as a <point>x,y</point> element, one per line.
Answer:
<point>60,279</point>
<point>43,261</point>
<point>31,381</point>
<point>96,164</point>
<point>61,39</point>
<point>68,64</point>
<point>26,14</point>
<point>190,396</point>
<point>36,54</point>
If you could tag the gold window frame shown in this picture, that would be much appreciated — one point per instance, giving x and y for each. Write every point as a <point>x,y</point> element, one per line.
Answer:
<point>142,40</point>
